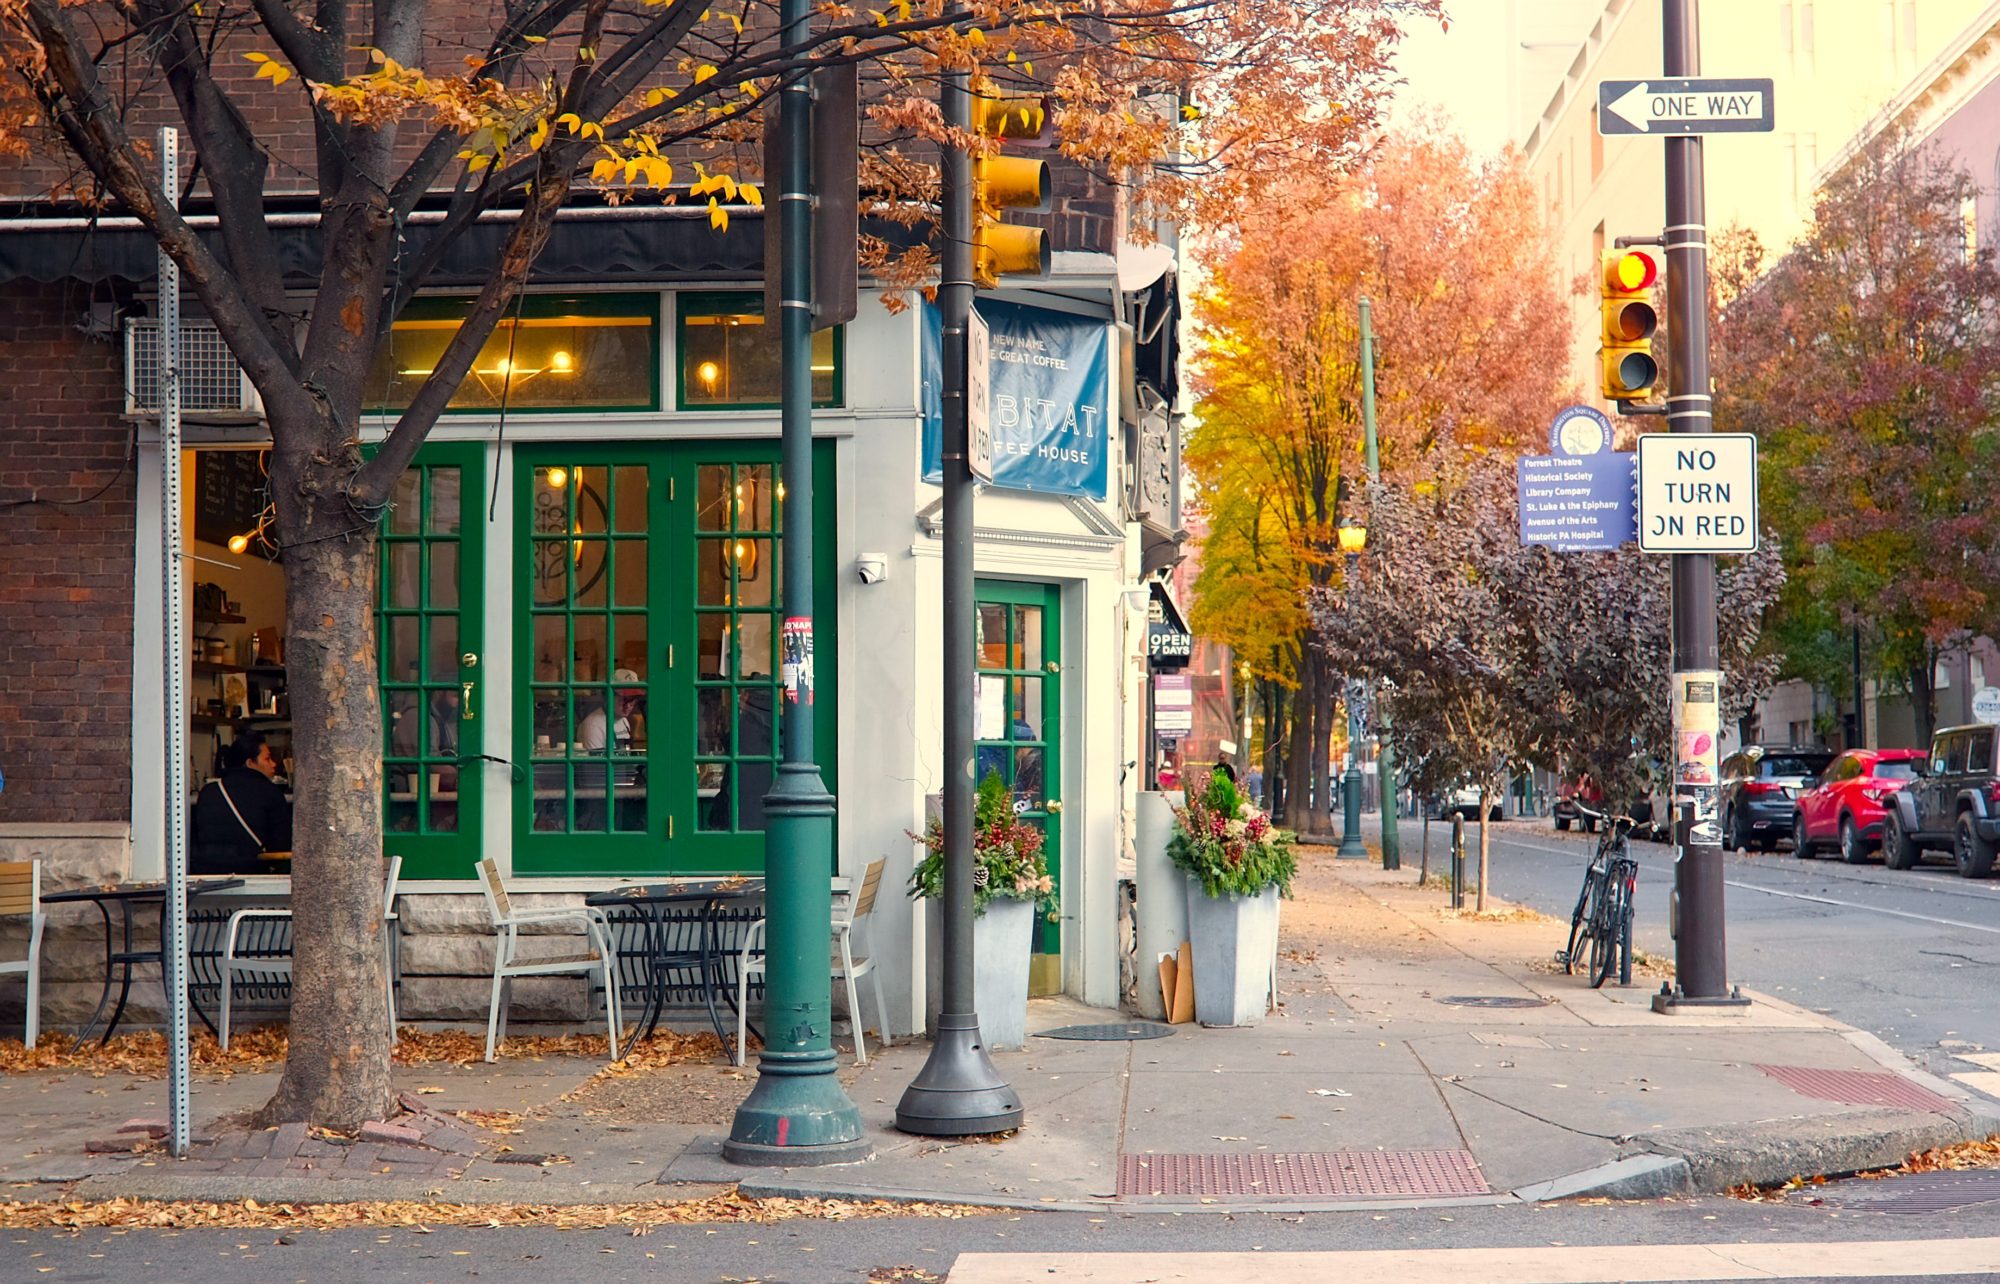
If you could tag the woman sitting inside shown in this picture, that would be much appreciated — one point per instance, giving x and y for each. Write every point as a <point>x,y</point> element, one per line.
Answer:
<point>242,813</point>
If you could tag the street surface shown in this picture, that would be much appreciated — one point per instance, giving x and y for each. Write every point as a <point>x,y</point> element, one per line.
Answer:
<point>1908,955</point>
<point>817,1252</point>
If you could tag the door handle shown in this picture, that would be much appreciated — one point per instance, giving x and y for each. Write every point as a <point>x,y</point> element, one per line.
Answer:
<point>1053,806</point>
<point>465,701</point>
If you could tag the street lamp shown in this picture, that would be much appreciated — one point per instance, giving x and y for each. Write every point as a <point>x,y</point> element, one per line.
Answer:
<point>1353,537</point>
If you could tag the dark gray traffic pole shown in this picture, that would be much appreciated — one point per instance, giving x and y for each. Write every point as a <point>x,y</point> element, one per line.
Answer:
<point>959,1092</point>
<point>1700,961</point>
<point>797,1113</point>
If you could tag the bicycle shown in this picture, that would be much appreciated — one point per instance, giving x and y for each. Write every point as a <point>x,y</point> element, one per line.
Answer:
<point>1604,907</point>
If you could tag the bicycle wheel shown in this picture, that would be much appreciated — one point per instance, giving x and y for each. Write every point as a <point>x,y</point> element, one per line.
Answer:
<point>1604,950</point>
<point>1579,919</point>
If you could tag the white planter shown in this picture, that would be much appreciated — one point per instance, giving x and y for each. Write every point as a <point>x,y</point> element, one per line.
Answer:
<point>1235,941</point>
<point>1002,939</point>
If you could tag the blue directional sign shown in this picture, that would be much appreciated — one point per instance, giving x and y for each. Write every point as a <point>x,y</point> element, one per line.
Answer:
<point>1681,105</point>
<point>1577,504</point>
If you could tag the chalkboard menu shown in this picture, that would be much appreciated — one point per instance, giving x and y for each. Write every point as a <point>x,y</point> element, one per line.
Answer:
<point>228,493</point>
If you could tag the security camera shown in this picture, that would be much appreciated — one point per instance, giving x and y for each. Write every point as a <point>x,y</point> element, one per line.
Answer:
<point>871,568</point>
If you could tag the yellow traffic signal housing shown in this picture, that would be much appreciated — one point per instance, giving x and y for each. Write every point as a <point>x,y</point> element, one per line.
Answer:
<point>1626,363</point>
<point>1001,183</point>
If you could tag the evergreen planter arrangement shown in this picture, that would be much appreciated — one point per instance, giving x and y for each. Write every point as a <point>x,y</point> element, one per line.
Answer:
<point>1011,889</point>
<point>1237,866</point>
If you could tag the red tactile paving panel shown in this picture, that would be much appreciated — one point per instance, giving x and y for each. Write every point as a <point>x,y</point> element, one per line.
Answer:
<point>1339,1174</point>
<point>1858,1088</point>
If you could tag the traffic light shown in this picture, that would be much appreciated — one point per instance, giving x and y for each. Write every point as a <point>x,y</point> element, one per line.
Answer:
<point>1001,183</point>
<point>1626,360</point>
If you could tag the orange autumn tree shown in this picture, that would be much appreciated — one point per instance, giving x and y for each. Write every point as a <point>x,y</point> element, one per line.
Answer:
<point>1471,343</point>
<point>460,111</point>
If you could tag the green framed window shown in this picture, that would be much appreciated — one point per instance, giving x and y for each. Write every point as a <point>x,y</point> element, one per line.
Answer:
<point>561,352</point>
<point>647,588</point>
<point>729,357</point>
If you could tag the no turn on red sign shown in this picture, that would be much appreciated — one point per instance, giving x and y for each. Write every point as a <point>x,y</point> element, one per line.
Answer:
<point>1698,492</point>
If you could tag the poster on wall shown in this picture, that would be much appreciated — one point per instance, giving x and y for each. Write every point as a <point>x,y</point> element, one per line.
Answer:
<point>1048,393</point>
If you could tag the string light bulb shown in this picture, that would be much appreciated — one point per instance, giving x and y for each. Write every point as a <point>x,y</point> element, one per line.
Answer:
<point>239,543</point>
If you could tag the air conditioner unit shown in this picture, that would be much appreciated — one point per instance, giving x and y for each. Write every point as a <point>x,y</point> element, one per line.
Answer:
<point>214,388</point>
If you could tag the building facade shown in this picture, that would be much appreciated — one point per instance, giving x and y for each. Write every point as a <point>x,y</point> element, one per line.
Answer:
<point>578,600</point>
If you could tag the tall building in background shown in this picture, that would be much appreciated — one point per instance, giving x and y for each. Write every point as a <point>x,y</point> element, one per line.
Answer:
<point>1836,64</point>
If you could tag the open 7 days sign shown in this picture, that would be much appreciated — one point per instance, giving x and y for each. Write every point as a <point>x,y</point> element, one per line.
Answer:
<point>1698,492</point>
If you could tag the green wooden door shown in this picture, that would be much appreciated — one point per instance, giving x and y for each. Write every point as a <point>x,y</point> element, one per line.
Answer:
<point>646,631</point>
<point>1017,727</point>
<point>430,654</point>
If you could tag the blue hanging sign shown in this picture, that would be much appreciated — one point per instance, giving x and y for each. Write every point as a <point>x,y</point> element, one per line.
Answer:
<point>1048,399</point>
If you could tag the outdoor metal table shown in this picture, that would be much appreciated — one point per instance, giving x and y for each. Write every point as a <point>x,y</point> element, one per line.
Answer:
<point>654,900</point>
<point>127,896</point>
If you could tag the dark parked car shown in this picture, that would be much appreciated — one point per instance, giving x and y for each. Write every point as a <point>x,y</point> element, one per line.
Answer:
<point>1954,807</point>
<point>1760,792</point>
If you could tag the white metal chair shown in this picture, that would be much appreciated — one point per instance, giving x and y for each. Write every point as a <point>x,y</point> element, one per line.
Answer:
<point>263,965</point>
<point>850,908</point>
<point>21,893</point>
<point>507,922</point>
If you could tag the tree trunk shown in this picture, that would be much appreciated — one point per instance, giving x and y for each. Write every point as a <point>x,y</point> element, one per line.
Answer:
<point>1485,840</point>
<point>337,1066</point>
<point>1274,748</point>
<point>1298,756</point>
<point>1326,791</point>
<point>1923,699</point>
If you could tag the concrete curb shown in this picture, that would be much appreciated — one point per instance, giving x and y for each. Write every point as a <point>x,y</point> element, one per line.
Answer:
<point>1646,1176</point>
<point>1775,1151</point>
<point>315,1190</point>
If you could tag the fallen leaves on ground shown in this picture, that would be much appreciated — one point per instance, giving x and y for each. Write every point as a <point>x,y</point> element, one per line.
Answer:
<point>1962,1156</point>
<point>901,1274</point>
<point>1511,914</point>
<point>729,1206</point>
<point>263,1048</point>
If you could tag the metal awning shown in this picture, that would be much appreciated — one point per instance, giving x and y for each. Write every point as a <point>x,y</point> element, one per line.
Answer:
<point>588,245</point>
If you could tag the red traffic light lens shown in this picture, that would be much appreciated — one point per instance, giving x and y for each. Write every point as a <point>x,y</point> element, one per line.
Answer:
<point>1633,271</point>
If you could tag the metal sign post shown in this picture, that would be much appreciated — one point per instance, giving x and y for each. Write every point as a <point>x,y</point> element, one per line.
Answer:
<point>173,926</point>
<point>1700,955</point>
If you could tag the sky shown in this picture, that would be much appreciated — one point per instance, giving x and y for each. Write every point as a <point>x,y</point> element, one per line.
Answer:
<point>1465,72</point>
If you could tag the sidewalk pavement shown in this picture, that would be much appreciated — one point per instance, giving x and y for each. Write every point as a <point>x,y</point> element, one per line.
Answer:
<point>1374,1084</point>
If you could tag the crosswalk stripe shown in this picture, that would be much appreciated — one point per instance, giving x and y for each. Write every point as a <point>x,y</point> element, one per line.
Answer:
<point>1543,1265</point>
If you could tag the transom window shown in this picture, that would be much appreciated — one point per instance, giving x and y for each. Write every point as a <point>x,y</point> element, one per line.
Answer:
<point>729,357</point>
<point>561,352</point>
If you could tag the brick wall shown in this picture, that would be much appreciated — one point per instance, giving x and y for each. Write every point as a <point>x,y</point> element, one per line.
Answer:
<point>66,569</point>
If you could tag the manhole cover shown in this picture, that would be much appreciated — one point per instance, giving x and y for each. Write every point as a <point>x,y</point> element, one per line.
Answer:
<point>1359,1174</point>
<point>1858,1088</point>
<point>1493,1001</point>
<point>1109,1033</point>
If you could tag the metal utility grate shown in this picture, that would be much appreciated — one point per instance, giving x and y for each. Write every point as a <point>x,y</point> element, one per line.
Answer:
<point>1338,1174</point>
<point>211,380</point>
<point>1493,1001</point>
<point>1858,1088</point>
<point>1918,1193</point>
<point>1109,1033</point>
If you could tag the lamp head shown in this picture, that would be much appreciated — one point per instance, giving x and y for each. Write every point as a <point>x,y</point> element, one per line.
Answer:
<point>1353,537</point>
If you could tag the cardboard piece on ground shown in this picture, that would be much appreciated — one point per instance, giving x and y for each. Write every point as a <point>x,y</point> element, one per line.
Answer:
<point>1168,969</point>
<point>1183,1009</point>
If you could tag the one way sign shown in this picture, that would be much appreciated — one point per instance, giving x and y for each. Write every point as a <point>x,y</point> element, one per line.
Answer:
<point>1683,105</point>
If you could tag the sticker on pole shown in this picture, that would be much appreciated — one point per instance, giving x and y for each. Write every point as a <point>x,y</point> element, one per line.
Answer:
<point>1698,492</point>
<point>796,653</point>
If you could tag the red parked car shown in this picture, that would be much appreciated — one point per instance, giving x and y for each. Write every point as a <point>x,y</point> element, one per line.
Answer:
<point>1846,808</point>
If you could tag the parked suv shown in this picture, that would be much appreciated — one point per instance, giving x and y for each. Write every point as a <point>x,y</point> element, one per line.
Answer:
<point>1848,805</point>
<point>1761,785</point>
<point>1954,807</point>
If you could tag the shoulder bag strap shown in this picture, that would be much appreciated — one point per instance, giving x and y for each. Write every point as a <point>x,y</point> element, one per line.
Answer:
<point>224,791</point>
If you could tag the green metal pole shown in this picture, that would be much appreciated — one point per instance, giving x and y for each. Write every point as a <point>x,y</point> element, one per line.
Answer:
<point>797,1113</point>
<point>1385,754</point>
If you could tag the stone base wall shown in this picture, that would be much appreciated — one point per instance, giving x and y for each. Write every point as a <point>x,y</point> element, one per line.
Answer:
<point>72,855</point>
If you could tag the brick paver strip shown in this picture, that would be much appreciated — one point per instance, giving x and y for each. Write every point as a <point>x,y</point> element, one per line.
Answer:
<point>151,1127</point>
<point>256,1145</point>
<point>394,1134</point>
<point>287,1141</point>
